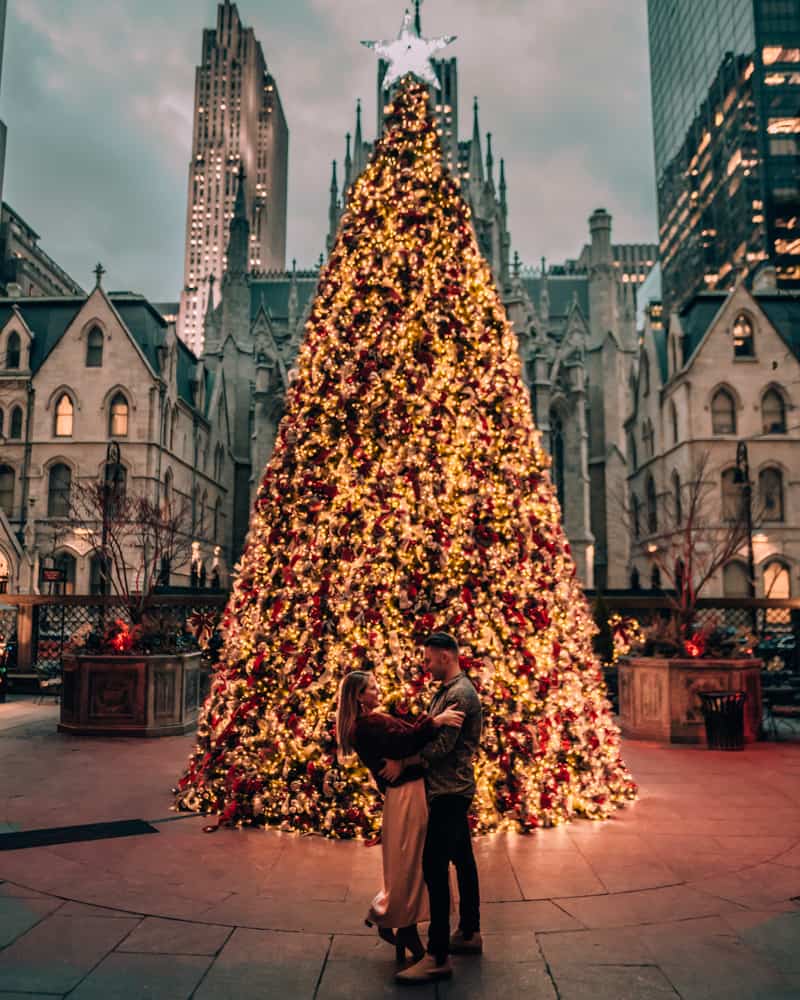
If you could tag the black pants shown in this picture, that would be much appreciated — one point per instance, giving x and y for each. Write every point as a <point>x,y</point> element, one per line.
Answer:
<point>448,839</point>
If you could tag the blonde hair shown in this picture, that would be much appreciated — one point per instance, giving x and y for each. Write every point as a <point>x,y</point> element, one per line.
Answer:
<point>352,686</point>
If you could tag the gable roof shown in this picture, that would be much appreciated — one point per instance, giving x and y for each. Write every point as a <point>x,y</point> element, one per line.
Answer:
<point>273,291</point>
<point>49,318</point>
<point>782,309</point>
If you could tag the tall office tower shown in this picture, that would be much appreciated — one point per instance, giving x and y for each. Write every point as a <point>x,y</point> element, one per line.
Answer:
<point>726,123</point>
<point>238,123</point>
<point>2,123</point>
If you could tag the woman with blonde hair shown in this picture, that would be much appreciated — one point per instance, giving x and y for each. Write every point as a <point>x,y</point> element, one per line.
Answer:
<point>375,736</point>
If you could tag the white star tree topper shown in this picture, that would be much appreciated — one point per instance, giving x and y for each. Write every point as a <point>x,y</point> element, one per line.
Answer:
<point>410,53</point>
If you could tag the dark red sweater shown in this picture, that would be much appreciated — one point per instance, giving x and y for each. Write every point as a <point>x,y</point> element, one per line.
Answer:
<point>379,737</point>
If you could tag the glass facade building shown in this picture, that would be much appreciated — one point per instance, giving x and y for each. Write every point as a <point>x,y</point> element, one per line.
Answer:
<point>725,78</point>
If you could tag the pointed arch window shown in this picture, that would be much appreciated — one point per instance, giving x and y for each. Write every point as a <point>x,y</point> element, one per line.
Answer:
<point>99,574</point>
<point>723,413</point>
<point>557,448</point>
<point>632,451</point>
<point>645,375</point>
<point>673,414</point>
<point>770,490</point>
<point>118,416</point>
<point>652,510</point>
<point>15,424</point>
<point>732,496</point>
<point>773,412</point>
<point>13,350</point>
<point>636,511</point>
<point>7,479</point>
<point>735,582</point>
<point>677,499</point>
<point>778,586</point>
<point>64,416</point>
<point>94,348</point>
<point>743,340</point>
<point>67,563</point>
<point>59,484</point>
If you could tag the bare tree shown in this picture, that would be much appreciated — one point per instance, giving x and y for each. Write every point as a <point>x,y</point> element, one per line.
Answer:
<point>136,540</point>
<point>692,533</point>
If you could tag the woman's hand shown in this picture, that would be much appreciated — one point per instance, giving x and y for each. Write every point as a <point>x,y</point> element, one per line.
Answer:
<point>449,717</point>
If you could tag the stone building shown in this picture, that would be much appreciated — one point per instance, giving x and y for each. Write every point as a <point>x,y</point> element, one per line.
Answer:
<point>25,268</point>
<point>724,369</point>
<point>238,124</point>
<point>79,371</point>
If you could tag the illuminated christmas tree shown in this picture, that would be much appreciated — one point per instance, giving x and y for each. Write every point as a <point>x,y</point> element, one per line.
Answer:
<point>407,492</point>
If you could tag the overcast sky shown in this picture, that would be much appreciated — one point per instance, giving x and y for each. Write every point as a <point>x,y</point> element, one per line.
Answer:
<point>97,96</point>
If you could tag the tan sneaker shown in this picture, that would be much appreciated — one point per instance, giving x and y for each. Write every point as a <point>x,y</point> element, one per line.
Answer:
<point>425,971</point>
<point>459,945</point>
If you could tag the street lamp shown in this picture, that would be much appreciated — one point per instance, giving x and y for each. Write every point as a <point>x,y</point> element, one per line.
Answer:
<point>742,477</point>
<point>111,481</point>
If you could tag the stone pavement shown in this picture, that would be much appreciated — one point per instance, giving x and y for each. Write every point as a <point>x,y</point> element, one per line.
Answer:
<point>692,892</point>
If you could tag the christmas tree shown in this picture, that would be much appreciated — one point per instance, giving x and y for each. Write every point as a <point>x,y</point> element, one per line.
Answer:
<point>407,492</point>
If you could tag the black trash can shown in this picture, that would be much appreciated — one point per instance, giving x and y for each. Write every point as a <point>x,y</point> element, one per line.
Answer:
<point>723,712</point>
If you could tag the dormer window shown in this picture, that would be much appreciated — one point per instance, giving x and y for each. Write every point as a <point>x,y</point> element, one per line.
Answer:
<point>94,348</point>
<point>13,350</point>
<point>743,344</point>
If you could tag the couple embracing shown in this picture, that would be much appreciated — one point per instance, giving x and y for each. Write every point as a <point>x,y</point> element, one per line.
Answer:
<point>425,773</point>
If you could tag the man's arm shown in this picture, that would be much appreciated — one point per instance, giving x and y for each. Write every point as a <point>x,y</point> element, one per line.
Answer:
<point>447,735</point>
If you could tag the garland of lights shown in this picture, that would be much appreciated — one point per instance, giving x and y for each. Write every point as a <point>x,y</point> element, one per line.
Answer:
<point>407,492</point>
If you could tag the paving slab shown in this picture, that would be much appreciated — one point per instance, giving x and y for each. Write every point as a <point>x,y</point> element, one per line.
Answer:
<point>477,980</point>
<point>615,982</point>
<point>143,977</point>
<point>156,936</point>
<point>266,964</point>
<point>56,954</point>
<point>19,914</point>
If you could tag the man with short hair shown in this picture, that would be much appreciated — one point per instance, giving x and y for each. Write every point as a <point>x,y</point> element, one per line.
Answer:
<point>450,785</point>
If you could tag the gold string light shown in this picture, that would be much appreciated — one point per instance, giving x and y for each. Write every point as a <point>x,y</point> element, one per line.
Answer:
<point>408,491</point>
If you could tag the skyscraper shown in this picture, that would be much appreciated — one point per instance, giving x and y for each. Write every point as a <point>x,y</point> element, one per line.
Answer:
<point>726,121</point>
<point>238,122</point>
<point>2,123</point>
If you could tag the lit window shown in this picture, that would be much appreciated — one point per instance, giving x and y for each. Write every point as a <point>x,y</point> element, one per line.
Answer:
<point>119,416</point>
<point>743,346</point>
<point>64,415</point>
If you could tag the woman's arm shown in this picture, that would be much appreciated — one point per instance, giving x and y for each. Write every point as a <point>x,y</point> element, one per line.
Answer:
<point>383,736</point>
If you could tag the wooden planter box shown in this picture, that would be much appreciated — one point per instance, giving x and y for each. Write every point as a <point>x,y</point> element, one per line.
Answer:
<point>659,698</point>
<point>132,695</point>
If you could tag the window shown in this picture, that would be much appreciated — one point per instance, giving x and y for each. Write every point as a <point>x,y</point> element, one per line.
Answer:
<point>778,586</point>
<point>118,420</point>
<point>652,512</point>
<point>632,451</point>
<point>94,348</point>
<point>673,414</point>
<point>773,412</point>
<point>67,564</point>
<point>167,491</point>
<point>116,479</point>
<point>7,490</point>
<point>636,510</point>
<point>13,350</point>
<point>99,575</point>
<point>770,491</point>
<point>2,419</point>
<point>677,499</point>
<point>217,509</point>
<point>655,578</point>
<point>58,489</point>
<point>15,424</point>
<point>723,413</point>
<point>732,496</point>
<point>557,449</point>
<point>735,582</point>
<point>645,375</point>
<point>64,414</point>
<point>743,346</point>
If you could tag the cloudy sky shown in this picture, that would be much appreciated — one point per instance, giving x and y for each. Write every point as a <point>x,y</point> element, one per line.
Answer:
<point>97,96</point>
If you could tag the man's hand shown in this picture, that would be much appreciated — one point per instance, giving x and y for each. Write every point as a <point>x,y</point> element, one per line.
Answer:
<point>391,770</point>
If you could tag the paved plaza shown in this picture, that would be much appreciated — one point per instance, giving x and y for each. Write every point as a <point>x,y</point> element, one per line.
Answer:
<point>692,892</point>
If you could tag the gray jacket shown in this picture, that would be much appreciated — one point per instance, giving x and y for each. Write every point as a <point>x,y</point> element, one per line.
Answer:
<point>449,757</point>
